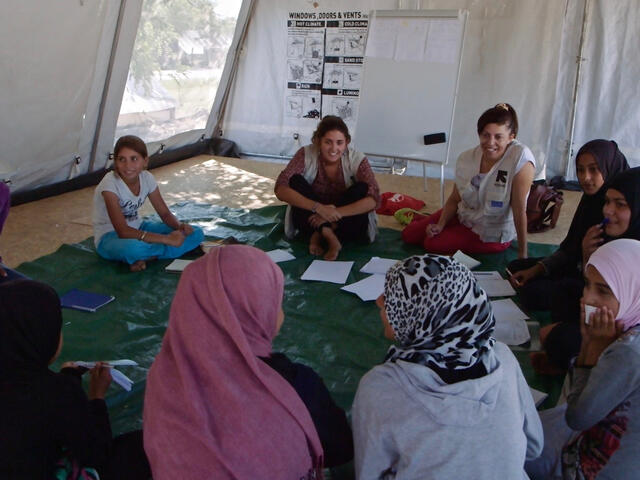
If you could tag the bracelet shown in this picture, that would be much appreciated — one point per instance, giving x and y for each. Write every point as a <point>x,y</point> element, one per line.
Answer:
<point>315,207</point>
<point>144,234</point>
<point>544,267</point>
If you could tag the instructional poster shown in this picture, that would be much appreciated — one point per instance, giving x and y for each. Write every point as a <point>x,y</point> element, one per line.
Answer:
<point>325,53</point>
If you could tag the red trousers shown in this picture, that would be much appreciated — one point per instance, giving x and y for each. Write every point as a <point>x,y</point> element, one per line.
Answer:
<point>454,236</point>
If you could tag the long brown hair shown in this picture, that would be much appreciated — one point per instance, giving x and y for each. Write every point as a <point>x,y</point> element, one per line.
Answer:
<point>134,143</point>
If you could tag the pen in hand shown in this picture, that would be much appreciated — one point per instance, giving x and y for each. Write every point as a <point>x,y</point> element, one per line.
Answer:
<point>515,281</point>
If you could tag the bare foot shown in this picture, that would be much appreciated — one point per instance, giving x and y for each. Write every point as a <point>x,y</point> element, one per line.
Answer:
<point>138,266</point>
<point>334,244</point>
<point>315,244</point>
<point>544,332</point>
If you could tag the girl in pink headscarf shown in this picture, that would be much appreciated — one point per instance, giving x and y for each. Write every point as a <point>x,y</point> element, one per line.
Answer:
<point>215,406</point>
<point>599,433</point>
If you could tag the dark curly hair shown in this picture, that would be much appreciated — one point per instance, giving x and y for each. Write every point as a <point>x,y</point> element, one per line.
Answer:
<point>328,123</point>
<point>501,114</point>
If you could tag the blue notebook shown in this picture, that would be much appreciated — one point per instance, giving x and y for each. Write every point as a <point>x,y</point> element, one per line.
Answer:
<point>85,301</point>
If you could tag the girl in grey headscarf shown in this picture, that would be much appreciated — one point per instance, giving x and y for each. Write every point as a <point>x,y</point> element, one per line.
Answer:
<point>449,401</point>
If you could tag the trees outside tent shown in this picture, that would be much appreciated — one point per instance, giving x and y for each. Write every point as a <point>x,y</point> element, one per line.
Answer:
<point>179,52</point>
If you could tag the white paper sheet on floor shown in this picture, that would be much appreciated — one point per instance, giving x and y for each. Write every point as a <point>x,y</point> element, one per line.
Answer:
<point>325,271</point>
<point>368,288</point>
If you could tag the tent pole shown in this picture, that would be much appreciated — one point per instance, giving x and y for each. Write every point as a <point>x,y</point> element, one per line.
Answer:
<point>576,86</point>
<point>105,90</point>
<point>286,158</point>
<point>230,69</point>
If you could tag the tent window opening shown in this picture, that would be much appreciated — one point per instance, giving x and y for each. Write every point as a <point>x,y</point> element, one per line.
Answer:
<point>178,57</point>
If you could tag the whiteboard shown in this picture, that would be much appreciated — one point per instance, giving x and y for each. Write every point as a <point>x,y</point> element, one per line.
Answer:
<point>410,82</point>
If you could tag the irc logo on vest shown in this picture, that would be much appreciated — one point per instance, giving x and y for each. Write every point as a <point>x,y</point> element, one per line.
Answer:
<point>501,178</point>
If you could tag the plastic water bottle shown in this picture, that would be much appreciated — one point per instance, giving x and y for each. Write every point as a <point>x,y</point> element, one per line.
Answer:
<point>399,166</point>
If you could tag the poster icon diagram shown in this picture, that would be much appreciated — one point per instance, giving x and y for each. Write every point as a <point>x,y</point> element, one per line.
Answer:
<point>303,104</point>
<point>335,45</point>
<point>311,106</point>
<point>293,106</point>
<point>295,71</point>
<point>295,47</point>
<point>314,46</point>
<point>312,71</point>
<point>333,76</point>
<point>354,46</point>
<point>343,108</point>
<point>352,77</point>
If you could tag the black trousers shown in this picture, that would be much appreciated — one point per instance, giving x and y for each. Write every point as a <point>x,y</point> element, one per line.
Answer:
<point>127,459</point>
<point>353,228</point>
<point>560,294</point>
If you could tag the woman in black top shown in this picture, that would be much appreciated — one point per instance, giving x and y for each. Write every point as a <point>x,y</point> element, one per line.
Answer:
<point>45,414</point>
<point>543,282</point>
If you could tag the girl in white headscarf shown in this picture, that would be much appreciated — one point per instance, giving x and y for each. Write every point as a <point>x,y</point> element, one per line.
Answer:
<point>599,433</point>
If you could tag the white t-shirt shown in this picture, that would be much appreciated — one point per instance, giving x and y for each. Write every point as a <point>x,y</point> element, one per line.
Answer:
<point>129,203</point>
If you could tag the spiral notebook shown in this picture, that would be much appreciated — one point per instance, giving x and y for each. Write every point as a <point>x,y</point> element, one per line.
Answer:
<point>86,301</point>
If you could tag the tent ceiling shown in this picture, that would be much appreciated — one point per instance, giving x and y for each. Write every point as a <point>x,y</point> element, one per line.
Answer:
<point>65,68</point>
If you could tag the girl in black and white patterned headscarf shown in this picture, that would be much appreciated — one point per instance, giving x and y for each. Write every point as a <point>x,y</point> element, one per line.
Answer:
<point>439,315</point>
<point>433,408</point>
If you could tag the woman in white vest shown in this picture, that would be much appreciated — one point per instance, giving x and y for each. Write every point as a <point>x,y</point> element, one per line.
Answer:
<point>331,191</point>
<point>487,207</point>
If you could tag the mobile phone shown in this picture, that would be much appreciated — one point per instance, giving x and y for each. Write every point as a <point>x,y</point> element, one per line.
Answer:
<point>588,310</point>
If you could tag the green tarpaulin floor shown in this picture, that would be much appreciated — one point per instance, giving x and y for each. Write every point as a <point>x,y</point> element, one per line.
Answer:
<point>328,329</point>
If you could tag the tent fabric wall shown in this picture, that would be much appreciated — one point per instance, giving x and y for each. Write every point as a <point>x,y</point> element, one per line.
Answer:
<point>609,95</point>
<point>230,68</point>
<point>64,71</point>
<point>510,55</point>
<point>49,61</point>
<point>117,56</point>
<point>521,71</point>
<point>65,68</point>
<point>517,51</point>
<point>255,114</point>
<point>560,121</point>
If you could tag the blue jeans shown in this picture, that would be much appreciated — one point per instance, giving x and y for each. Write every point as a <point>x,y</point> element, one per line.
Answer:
<point>130,250</point>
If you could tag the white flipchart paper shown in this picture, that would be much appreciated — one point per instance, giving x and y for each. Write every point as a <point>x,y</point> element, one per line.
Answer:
<point>494,284</point>
<point>368,288</point>
<point>466,260</point>
<point>378,265</point>
<point>326,271</point>
<point>280,255</point>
